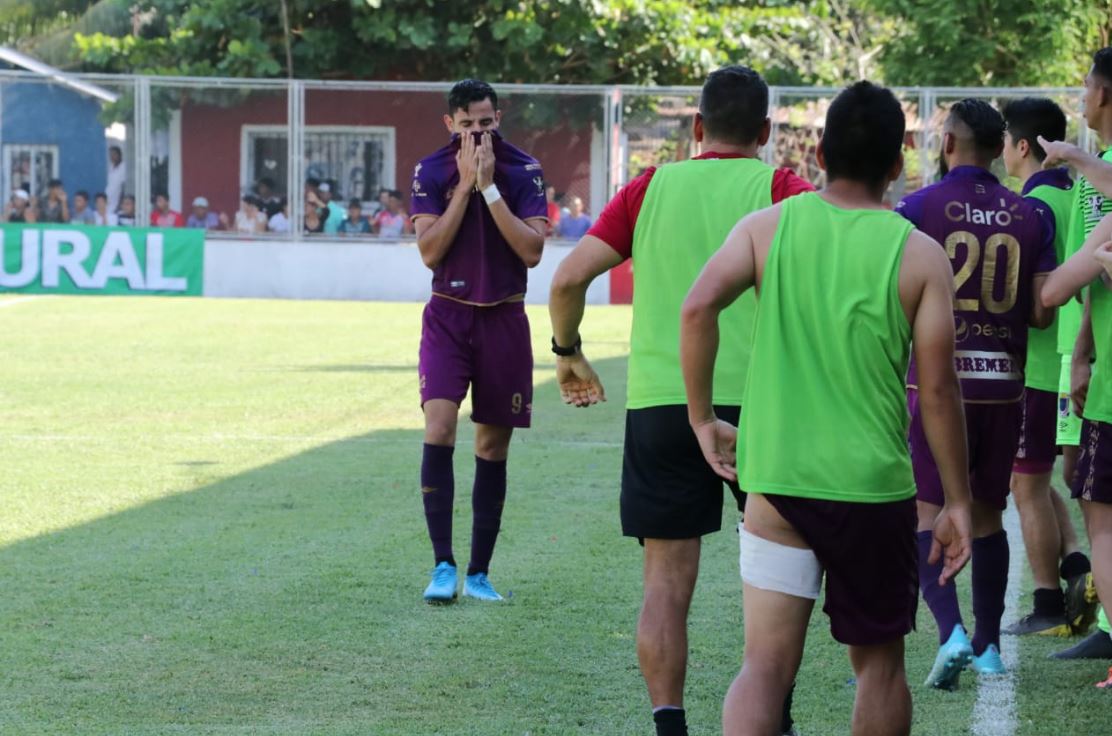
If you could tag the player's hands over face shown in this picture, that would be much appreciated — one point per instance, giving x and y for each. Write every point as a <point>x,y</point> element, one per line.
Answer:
<point>579,383</point>
<point>485,176</point>
<point>718,441</point>
<point>467,161</point>
<point>952,540</point>
<point>1058,153</point>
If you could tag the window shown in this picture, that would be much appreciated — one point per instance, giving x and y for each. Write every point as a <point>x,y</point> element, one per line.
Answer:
<point>359,159</point>
<point>29,167</point>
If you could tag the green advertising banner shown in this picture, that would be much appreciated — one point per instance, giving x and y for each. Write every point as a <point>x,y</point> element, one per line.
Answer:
<point>83,259</point>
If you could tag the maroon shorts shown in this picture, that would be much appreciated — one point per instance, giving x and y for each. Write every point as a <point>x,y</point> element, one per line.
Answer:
<point>1093,480</point>
<point>870,556</point>
<point>486,348</point>
<point>1038,435</point>
<point>993,435</point>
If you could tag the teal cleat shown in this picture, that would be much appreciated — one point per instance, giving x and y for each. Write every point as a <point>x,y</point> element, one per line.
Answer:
<point>989,662</point>
<point>478,586</point>
<point>952,658</point>
<point>442,587</point>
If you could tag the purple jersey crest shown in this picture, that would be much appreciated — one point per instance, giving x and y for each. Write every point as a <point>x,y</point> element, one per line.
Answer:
<point>997,243</point>
<point>480,267</point>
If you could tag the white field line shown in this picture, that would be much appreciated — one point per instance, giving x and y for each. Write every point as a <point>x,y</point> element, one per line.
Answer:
<point>994,713</point>
<point>220,438</point>
<point>17,300</point>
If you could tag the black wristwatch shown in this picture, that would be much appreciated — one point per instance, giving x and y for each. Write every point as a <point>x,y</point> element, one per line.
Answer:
<point>567,352</point>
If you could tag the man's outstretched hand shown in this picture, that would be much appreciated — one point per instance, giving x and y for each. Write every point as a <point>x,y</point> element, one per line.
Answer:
<point>579,383</point>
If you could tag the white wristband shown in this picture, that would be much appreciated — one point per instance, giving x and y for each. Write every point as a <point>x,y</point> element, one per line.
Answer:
<point>491,194</point>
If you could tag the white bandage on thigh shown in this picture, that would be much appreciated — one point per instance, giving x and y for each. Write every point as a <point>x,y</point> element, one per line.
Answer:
<point>779,568</point>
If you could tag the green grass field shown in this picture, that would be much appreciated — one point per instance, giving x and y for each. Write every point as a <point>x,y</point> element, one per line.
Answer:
<point>210,523</point>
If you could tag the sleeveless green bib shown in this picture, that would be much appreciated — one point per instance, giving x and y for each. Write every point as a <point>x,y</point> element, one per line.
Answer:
<point>689,209</point>
<point>825,412</point>
<point>1044,364</point>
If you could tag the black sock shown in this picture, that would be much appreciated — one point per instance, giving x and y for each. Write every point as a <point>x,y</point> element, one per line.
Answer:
<point>1076,563</point>
<point>1050,602</point>
<point>450,560</point>
<point>670,722</point>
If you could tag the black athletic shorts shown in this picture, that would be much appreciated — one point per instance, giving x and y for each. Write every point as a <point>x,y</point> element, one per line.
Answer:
<point>668,490</point>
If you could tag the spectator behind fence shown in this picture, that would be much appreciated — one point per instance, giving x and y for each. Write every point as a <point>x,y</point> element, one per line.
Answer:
<point>316,212</point>
<point>56,207</point>
<point>355,223</point>
<point>82,214</point>
<point>393,222</point>
<point>383,200</point>
<point>163,216</point>
<point>204,218</point>
<point>576,224</point>
<point>251,219</point>
<point>117,179</point>
<point>553,209</point>
<point>102,215</point>
<point>280,221</point>
<point>336,213</point>
<point>264,190</point>
<point>19,207</point>
<point>126,214</point>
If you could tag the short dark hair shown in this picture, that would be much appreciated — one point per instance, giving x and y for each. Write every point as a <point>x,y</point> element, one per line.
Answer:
<point>984,120</point>
<point>127,198</point>
<point>467,91</point>
<point>864,134</point>
<point>1028,118</point>
<point>252,200</point>
<point>53,183</point>
<point>117,149</point>
<point>396,194</point>
<point>100,195</point>
<point>1102,64</point>
<point>158,194</point>
<point>355,203</point>
<point>312,182</point>
<point>734,104</point>
<point>81,193</point>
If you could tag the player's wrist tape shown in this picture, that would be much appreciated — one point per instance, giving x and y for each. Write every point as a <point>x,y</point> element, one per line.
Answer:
<point>491,194</point>
<point>567,352</point>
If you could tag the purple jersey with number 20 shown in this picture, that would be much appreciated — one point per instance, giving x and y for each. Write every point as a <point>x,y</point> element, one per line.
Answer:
<point>997,243</point>
<point>480,267</point>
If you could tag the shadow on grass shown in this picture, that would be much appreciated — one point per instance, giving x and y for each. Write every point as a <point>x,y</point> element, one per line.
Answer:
<point>286,599</point>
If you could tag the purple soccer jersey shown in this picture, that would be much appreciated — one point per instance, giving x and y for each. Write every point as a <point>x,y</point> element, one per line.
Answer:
<point>480,267</point>
<point>997,243</point>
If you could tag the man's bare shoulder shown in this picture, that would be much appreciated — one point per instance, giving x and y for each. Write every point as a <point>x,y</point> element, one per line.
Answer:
<point>760,226</point>
<point>924,251</point>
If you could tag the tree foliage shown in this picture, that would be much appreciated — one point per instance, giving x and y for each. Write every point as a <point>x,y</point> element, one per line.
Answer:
<point>940,42</point>
<point>993,42</point>
<point>558,41</point>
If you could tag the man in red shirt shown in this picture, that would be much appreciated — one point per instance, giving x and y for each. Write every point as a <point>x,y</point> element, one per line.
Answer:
<point>670,220</point>
<point>162,215</point>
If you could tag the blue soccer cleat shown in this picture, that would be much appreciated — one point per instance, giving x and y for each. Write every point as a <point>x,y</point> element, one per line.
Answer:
<point>442,587</point>
<point>989,662</point>
<point>952,658</point>
<point>478,586</point>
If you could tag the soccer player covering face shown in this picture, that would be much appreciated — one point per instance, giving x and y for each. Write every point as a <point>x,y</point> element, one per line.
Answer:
<point>1000,250</point>
<point>670,220</point>
<point>479,213</point>
<point>1048,532</point>
<point>844,286</point>
<point>1092,383</point>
